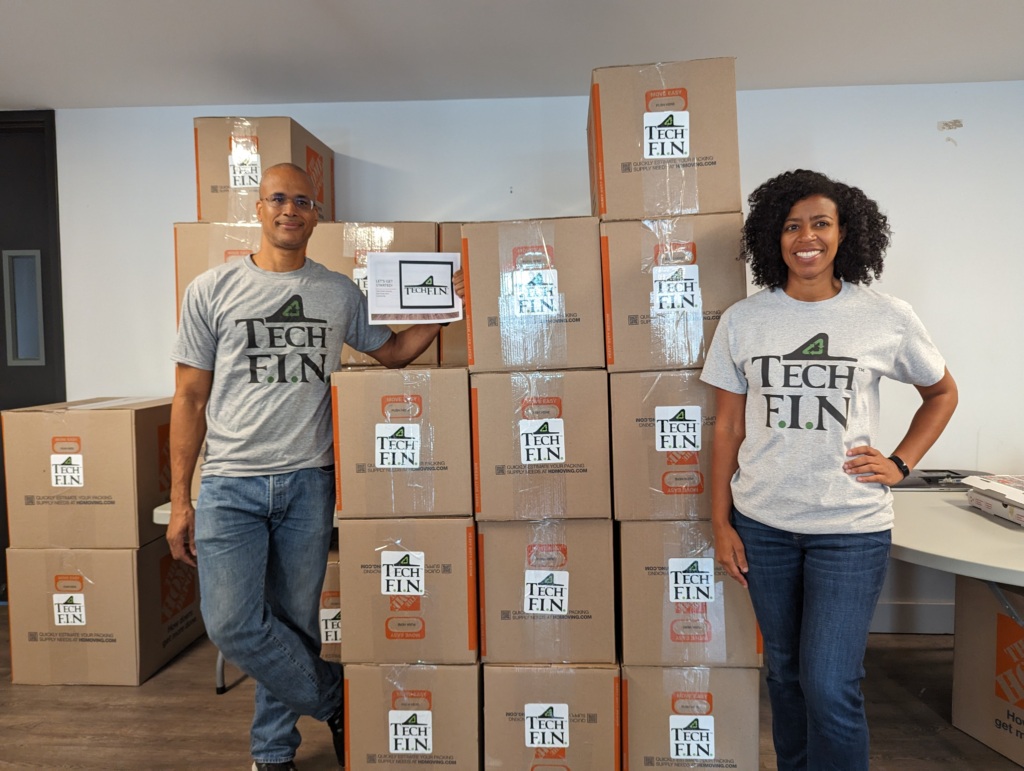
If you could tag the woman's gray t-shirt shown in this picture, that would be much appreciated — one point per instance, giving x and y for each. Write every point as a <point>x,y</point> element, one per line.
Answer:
<point>810,371</point>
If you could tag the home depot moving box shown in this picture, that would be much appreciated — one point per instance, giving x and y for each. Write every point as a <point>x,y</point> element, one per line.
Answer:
<point>552,718</point>
<point>662,429</point>
<point>330,609</point>
<point>408,591</point>
<point>679,607</point>
<point>99,616</point>
<point>988,666</point>
<point>663,141</point>
<point>232,153</point>
<point>666,284</point>
<point>541,446</point>
<point>340,246</point>
<point>87,474</point>
<point>547,592</point>
<point>531,294</point>
<point>689,717</point>
<point>452,341</point>
<point>404,715</point>
<point>401,442</point>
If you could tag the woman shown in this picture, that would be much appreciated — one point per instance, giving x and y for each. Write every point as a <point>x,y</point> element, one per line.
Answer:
<point>801,506</point>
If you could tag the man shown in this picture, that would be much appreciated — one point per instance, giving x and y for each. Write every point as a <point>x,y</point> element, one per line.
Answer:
<point>257,343</point>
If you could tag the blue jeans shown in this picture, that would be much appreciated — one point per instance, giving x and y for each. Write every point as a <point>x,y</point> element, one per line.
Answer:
<point>814,596</point>
<point>262,546</point>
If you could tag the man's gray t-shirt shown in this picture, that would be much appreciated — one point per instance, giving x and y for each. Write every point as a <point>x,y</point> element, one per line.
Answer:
<point>272,341</point>
<point>810,372</point>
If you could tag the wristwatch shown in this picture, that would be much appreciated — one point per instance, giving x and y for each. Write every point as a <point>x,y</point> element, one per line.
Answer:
<point>904,469</point>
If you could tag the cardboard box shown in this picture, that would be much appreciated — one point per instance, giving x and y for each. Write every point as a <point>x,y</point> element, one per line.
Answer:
<point>412,714</point>
<point>663,140</point>
<point>232,153</point>
<point>330,609</point>
<point>340,246</point>
<point>666,284</point>
<point>99,616</point>
<point>988,673</point>
<point>663,425</point>
<point>680,608</point>
<point>552,718</point>
<point>452,342</point>
<point>547,592</point>
<point>401,442</point>
<point>541,446</point>
<point>689,717</point>
<point>531,294</point>
<point>87,474</point>
<point>408,591</point>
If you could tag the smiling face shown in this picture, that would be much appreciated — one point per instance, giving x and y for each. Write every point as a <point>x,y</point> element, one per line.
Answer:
<point>810,239</point>
<point>286,227</point>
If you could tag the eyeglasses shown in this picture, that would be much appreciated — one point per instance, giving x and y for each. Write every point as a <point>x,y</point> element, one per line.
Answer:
<point>300,202</point>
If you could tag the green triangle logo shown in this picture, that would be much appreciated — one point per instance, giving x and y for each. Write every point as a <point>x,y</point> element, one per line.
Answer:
<point>399,434</point>
<point>549,581</point>
<point>413,720</point>
<point>694,726</point>
<point>677,276</point>
<point>404,561</point>
<point>549,712</point>
<point>67,462</point>
<point>537,280</point>
<point>669,121</point>
<point>681,415</point>
<point>543,428</point>
<point>336,616</point>
<point>293,309</point>
<point>69,601</point>
<point>815,347</point>
<point>694,568</point>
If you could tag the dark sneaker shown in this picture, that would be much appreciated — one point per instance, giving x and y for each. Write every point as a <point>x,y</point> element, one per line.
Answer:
<point>289,766</point>
<point>336,723</point>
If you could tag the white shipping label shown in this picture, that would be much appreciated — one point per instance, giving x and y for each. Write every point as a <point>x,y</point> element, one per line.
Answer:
<point>676,288</point>
<point>535,292</point>
<point>403,573</point>
<point>547,725</point>
<point>677,429</point>
<point>410,732</point>
<point>691,737</point>
<point>244,170</point>
<point>691,579</point>
<point>546,592</point>
<point>397,445</point>
<point>69,609</point>
<point>542,441</point>
<point>359,277</point>
<point>667,134</point>
<point>330,625</point>
<point>67,471</point>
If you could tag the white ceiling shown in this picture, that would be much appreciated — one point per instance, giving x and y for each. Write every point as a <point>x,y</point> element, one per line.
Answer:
<point>118,53</point>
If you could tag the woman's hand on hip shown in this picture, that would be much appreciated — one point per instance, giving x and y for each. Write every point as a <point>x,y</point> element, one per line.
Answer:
<point>870,465</point>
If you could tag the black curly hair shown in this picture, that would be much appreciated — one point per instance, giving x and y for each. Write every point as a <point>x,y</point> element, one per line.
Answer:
<point>860,255</point>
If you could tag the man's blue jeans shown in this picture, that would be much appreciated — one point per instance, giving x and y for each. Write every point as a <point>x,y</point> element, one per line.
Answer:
<point>814,596</point>
<point>262,546</point>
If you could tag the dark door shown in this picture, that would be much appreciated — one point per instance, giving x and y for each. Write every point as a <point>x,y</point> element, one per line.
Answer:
<point>32,340</point>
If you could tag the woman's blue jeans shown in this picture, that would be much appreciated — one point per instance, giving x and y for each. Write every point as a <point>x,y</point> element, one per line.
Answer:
<point>262,546</point>
<point>814,596</point>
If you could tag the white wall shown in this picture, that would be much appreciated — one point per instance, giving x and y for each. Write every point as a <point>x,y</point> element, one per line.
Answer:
<point>955,199</point>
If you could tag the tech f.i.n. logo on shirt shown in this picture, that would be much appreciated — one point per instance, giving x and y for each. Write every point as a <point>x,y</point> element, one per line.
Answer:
<point>286,346</point>
<point>809,388</point>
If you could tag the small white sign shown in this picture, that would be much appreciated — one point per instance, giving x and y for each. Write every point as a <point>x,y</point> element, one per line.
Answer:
<point>412,287</point>
<point>676,289</point>
<point>69,609</point>
<point>67,471</point>
<point>546,592</point>
<point>535,292</point>
<point>244,171</point>
<point>667,134</point>
<point>677,429</point>
<point>397,445</point>
<point>691,579</point>
<point>542,441</point>
<point>330,625</point>
<point>547,725</point>
<point>691,737</point>
<point>403,573</point>
<point>410,732</point>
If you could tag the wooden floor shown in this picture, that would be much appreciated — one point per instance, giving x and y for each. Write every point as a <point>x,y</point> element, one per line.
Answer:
<point>175,720</point>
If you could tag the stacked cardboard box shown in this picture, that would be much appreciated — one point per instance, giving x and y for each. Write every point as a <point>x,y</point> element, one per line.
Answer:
<point>407,553</point>
<point>664,162</point>
<point>95,595</point>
